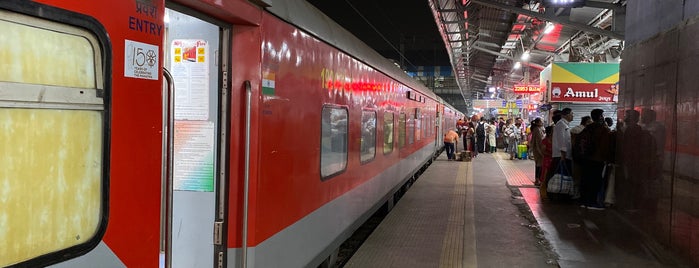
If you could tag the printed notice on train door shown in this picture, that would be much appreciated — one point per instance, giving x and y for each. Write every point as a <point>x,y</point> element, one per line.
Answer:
<point>140,60</point>
<point>193,168</point>
<point>190,70</point>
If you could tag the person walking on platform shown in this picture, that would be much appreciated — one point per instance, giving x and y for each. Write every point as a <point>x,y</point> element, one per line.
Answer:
<point>594,148</point>
<point>480,135</point>
<point>451,139</point>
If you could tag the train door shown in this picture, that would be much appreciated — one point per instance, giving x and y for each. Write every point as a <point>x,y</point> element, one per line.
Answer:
<point>195,192</point>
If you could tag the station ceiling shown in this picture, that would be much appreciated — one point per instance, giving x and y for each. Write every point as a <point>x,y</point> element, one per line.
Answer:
<point>483,40</point>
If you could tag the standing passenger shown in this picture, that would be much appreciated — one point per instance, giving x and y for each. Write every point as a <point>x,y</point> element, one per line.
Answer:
<point>595,156</point>
<point>511,136</point>
<point>471,139</point>
<point>502,140</point>
<point>547,145</point>
<point>561,151</point>
<point>577,167</point>
<point>490,130</point>
<point>480,135</point>
<point>537,148</point>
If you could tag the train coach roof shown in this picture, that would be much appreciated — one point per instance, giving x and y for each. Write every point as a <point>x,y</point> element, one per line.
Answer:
<point>310,19</point>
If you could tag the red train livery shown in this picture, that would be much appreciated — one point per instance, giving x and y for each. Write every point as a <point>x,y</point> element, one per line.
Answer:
<point>197,133</point>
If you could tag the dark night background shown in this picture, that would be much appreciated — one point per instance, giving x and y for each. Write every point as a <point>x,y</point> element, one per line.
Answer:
<point>390,26</point>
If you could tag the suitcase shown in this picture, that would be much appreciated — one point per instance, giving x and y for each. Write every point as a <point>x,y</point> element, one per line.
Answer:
<point>522,151</point>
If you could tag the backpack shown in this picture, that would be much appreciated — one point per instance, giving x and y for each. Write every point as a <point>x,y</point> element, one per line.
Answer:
<point>584,147</point>
<point>480,129</point>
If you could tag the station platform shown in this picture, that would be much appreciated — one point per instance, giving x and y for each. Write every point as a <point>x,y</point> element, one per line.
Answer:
<point>487,213</point>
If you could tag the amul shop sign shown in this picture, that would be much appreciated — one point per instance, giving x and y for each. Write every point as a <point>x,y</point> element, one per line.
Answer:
<point>583,82</point>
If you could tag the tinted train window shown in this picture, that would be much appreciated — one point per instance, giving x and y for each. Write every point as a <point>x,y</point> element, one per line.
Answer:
<point>401,130</point>
<point>410,133</point>
<point>418,125</point>
<point>333,144</point>
<point>387,133</point>
<point>52,135</point>
<point>368,143</point>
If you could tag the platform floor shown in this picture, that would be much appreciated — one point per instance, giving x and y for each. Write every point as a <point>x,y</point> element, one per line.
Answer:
<point>487,213</point>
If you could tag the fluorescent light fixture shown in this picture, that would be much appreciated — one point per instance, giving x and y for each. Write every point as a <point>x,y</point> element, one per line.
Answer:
<point>517,65</point>
<point>525,55</point>
<point>549,28</point>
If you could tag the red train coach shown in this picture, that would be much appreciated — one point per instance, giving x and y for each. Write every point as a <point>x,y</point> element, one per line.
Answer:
<point>197,133</point>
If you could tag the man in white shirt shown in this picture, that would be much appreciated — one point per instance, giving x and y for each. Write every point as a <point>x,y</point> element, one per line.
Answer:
<point>561,136</point>
<point>561,151</point>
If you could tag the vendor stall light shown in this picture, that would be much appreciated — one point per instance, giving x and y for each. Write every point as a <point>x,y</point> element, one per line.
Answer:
<point>525,55</point>
<point>549,28</point>
<point>517,65</point>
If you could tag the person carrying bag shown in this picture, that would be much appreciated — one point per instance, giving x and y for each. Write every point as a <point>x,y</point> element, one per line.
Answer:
<point>561,182</point>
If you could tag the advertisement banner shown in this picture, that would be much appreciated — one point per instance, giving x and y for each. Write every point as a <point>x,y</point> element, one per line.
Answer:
<point>584,82</point>
<point>575,92</point>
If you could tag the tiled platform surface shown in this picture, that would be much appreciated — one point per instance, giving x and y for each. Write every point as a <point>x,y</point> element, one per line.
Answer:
<point>462,214</point>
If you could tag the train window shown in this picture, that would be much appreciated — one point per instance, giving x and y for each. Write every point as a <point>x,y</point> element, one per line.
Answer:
<point>401,130</point>
<point>333,152</point>
<point>387,133</point>
<point>52,135</point>
<point>418,127</point>
<point>426,123</point>
<point>418,124</point>
<point>367,150</point>
<point>410,129</point>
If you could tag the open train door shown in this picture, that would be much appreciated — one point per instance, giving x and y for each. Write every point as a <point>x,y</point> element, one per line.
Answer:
<point>194,179</point>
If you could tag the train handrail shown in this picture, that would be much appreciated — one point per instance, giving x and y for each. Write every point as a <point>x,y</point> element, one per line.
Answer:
<point>248,108</point>
<point>168,151</point>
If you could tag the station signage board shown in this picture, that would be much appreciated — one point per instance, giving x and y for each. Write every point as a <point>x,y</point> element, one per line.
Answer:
<point>527,89</point>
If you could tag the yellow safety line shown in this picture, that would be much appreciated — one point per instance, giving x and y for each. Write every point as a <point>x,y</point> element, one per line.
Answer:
<point>470,260</point>
<point>459,245</point>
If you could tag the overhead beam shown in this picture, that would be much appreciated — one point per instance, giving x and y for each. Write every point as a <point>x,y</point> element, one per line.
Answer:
<point>535,65</point>
<point>451,10</point>
<point>604,5</point>
<point>560,20</point>
<point>479,80</point>
<point>487,44</point>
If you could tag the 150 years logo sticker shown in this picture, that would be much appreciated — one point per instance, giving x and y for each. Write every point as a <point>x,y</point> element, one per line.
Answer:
<point>140,60</point>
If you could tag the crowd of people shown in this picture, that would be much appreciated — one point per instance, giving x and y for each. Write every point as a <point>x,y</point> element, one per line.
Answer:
<point>485,136</point>
<point>582,153</point>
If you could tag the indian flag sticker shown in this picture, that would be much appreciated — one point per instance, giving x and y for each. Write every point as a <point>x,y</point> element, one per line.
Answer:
<point>268,84</point>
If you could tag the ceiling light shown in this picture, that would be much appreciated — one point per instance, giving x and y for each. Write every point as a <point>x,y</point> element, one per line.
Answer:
<point>517,65</point>
<point>549,27</point>
<point>525,55</point>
